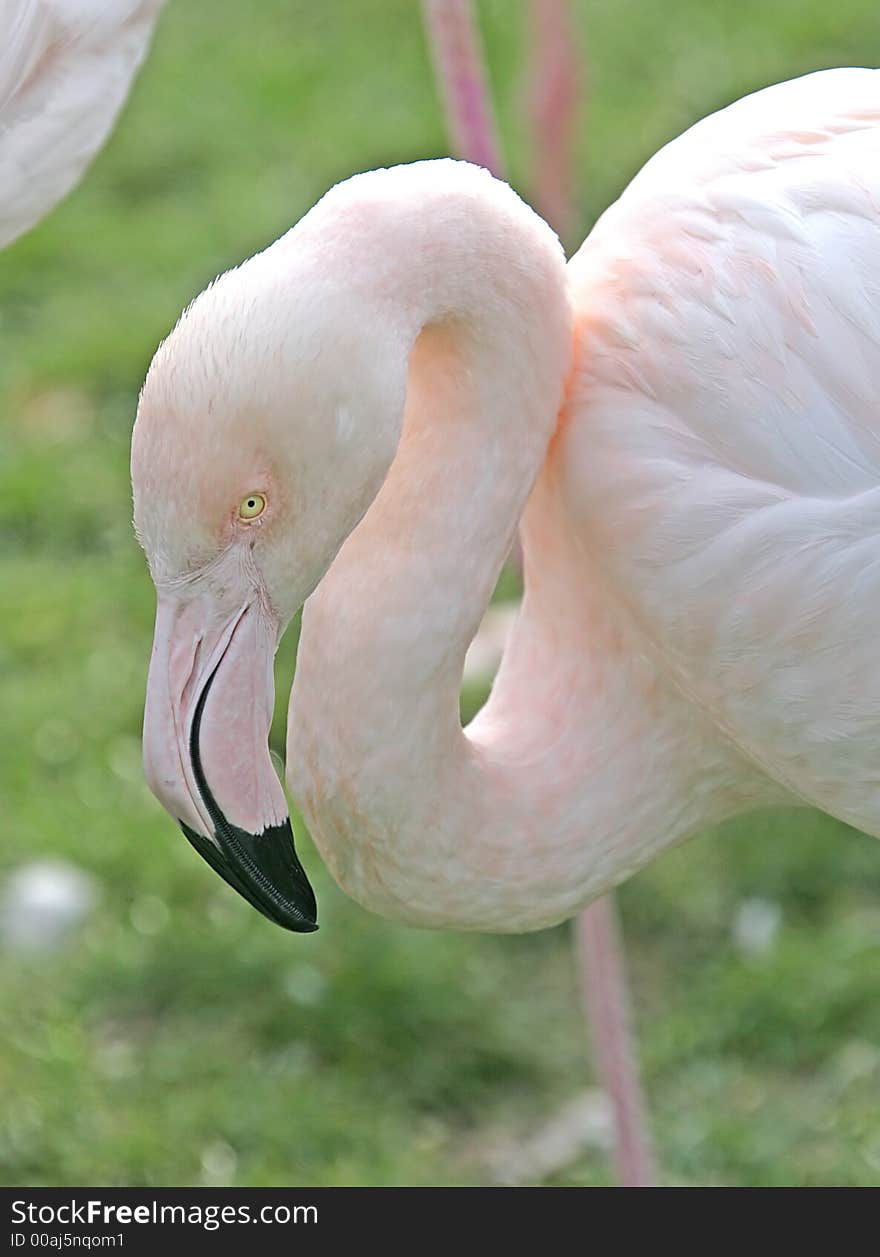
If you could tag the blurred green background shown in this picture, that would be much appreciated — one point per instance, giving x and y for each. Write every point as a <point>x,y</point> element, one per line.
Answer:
<point>179,1038</point>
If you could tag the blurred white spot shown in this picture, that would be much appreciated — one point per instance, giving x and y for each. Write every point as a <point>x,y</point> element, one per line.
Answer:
<point>429,1136</point>
<point>485,651</point>
<point>305,985</point>
<point>115,1058</point>
<point>219,1163</point>
<point>149,914</point>
<point>293,1060</point>
<point>756,926</point>
<point>23,1124</point>
<point>584,1123</point>
<point>42,903</point>
<point>856,1061</point>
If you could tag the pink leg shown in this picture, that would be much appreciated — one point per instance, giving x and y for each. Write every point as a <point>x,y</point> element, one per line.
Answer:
<point>460,68</point>
<point>606,1003</point>
<point>458,61</point>
<point>556,107</point>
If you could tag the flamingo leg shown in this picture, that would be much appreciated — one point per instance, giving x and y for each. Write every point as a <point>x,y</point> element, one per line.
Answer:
<point>460,68</point>
<point>459,64</point>
<point>555,94</point>
<point>605,992</point>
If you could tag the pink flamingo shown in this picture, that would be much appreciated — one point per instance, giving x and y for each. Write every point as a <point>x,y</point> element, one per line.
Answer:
<point>455,44</point>
<point>683,422</point>
<point>66,67</point>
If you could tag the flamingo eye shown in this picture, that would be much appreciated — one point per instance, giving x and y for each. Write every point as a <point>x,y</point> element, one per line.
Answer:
<point>252,506</point>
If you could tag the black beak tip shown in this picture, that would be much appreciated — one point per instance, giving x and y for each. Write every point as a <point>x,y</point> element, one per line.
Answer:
<point>264,869</point>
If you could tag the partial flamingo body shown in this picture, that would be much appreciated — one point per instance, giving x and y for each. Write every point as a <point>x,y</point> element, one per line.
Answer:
<point>729,353</point>
<point>66,67</point>
<point>683,421</point>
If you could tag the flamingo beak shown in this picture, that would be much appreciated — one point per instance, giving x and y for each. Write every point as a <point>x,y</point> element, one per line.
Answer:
<point>210,695</point>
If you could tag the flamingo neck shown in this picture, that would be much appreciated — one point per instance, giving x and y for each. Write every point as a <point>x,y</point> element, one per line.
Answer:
<point>515,822</point>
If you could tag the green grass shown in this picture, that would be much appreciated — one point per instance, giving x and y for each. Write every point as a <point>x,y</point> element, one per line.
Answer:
<point>180,1038</point>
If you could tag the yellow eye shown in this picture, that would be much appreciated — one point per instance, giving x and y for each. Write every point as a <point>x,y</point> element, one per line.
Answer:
<point>252,506</point>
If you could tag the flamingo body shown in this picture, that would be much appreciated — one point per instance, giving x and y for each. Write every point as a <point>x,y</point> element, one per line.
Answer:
<point>65,71</point>
<point>683,419</point>
<point>727,462</point>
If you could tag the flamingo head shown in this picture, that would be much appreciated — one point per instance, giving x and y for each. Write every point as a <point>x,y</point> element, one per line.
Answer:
<point>264,430</point>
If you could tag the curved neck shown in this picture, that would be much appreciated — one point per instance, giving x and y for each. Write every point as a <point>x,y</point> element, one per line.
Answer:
<point>495,828</point>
